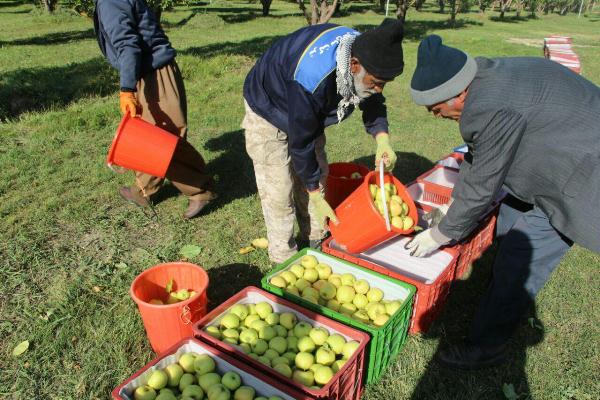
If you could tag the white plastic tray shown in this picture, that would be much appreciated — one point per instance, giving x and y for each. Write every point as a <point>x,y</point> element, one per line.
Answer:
<point>450,162</point>
<point>443,177</point>
<point>393,256</point>
<point>262,388</point>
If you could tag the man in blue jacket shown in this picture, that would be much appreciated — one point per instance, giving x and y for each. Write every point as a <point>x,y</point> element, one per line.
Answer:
<point>306,81</point>
<point>151,85</point>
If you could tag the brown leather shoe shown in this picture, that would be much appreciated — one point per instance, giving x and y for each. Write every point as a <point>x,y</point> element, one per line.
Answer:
<point>131,197</point>
<point>194,208</point>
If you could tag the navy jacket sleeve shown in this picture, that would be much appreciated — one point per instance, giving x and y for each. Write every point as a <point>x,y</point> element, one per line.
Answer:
<point>374,114</point>
<point>494,148</point>
<point>118,20</point>
<point>305,124</point>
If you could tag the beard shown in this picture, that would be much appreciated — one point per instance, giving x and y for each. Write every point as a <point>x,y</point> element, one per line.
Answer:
<point>359,87</point>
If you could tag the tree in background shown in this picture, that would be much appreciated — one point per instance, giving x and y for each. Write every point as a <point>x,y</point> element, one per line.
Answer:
<point>318,13</point>
<point>86,7</point>
<point>266,6</point>
<point>49,5</point>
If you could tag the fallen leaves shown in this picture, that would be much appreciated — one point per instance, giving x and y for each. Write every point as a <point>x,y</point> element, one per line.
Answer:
<point>258,243</point>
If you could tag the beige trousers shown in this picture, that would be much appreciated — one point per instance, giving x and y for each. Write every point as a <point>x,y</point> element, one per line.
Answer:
<point>161,94</point>
<point>283,196</point>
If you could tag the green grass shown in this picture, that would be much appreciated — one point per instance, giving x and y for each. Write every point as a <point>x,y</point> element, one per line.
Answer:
<point>64,230</point>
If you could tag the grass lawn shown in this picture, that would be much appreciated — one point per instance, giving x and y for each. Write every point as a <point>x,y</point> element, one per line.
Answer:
<point>70,247</point>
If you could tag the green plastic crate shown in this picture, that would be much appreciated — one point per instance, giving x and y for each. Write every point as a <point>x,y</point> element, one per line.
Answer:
<point>387,340</point>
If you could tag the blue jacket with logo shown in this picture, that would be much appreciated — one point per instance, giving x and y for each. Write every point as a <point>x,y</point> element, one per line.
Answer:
<point>131,39</point>
<point>293,87</point>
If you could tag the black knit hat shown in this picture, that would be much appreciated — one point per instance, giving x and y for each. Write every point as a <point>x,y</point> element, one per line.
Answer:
<point>442,72</point>
<point>379,50</point>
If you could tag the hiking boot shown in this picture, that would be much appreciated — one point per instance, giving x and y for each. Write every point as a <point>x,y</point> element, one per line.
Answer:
<point>132,197</point>
<point>469,356</point>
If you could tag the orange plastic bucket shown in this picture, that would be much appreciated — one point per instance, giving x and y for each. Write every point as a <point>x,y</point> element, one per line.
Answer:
<point>168,324</point>
<point>360,225</point>
<point>140,146</point>
<point>339,183</point>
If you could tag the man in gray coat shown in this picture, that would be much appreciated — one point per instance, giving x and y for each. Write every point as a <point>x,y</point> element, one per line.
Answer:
<point>533,128</point>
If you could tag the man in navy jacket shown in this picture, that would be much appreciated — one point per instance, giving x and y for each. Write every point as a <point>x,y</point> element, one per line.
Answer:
<point>151,87</point>
<point>308,80</point>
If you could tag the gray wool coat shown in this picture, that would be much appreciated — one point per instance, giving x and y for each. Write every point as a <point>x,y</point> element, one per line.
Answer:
<point>533,126</point>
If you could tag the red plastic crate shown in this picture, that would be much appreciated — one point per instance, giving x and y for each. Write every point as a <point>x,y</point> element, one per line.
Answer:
<point>429,299</point>
<point>346,384</point>
<point>263,384</point>
<point>438,182</point>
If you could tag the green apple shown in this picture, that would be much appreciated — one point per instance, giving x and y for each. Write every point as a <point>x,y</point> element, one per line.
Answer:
<point>395,209</point>
<point>258,325</point>
<point>260,346</point>
<point>323,375</point>
<point>260,398</point>
<point>309,261</point>
<point>345,294</point>
<point>310,292</point>
<point>337,365</point>
<point>374,295</point>
<point>272,319</point>
<point>249,336</point>
<point>281,331</point>
<point>381,319</point>
<point>324,356</point>
<point>265,360</point>
<point>274,398</point>
<point>293,290</point>
<point>336,343</point>
<point>302,284</point>
<point>283,369</point>
<point>187,362</point>
<point>311,298</point>
<point>407,222</point>
<point>304,360</point>
<point>278,344</point>
<point>289,277</point>
<point>349,348</point>
<point>392,307</point>
<point>231,380</point>
<point>218,392</point>
<point>292,343</point>
<point>290,355</point>
<point>182,294</point>
<point>318,335</point>
<point>174,372</point>
<point>311,275</point>
<point>186,380</point>
<point>361,286</point>
<point>278,281</point>
<point>240,310</point>
<point>297,270</point>
<point>280,360</point>
<point>251,309</point>
<point>348,279</point>
<point>213,331</point>
<point>230,320</point>
<point>158,379</point>
<point>360,301</point>
<point>373,189</point>
<point>305,378</point>
<point>271,354</point>
<point>405,210</point>
<point>335,280</point>
<point>250,319</point>
<point>246,348</point>
<point>263,309</point>
<point>244,393</point>
<point>231,341</point>
<point>314,367</point>
<point>204,364</point>
<point>231,333</point>
<point>375,309</point>
<point>267,333</point>
<point>193,391</point>
<point>253,356</point>
<point>362,316</point>
<point>166,396</point>
<point>302,328</point>
<point>348,308</point>
<point>172,299</point>
<point>327,291</point>
<point>306,344</point>
<point>324,270</point>
<point>318,284</point>
<point>144,393</point>
<point>333,304</point>
<point>397,222</point>
<point>156,302</point>
<point>207,380</point>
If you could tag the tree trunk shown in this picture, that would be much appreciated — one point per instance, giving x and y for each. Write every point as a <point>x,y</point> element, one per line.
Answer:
<point>49,5</point>
<point>442,5</point>
<point>382,5</point>
<point>482,6</point>
<point>452,13</point>
<point>419,4</point>
<point>266,6</point>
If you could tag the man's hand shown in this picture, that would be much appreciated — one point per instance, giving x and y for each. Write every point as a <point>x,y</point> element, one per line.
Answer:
<point>129,104</point>
<point>434,216</point>
<point>322,209</point>
<point>426,242</point>
<point>385,151</point>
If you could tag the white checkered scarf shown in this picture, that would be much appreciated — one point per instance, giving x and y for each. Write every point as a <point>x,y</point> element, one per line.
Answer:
<point>343,76</point>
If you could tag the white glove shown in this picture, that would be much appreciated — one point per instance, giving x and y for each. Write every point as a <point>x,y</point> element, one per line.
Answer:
<point>426,242</point>
<point>434,216</point>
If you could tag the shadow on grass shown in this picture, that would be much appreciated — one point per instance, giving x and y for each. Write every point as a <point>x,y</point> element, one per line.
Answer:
<point>51,38</point>
<point>512,19</point>
<point>250,48</point>
<point>417,30</point>
<point>32,89</point>
<point>407,168</point>
<point>11,3</point>
<point>452,327</point>
<point>229,279</point>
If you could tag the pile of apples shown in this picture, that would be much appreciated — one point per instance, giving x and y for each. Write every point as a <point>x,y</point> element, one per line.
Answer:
<point>308,355</point>
<point>355,175</point>
<point>396,207</point>
<point>194,377</point>
<point>344,293</point>
<point>174,296</point>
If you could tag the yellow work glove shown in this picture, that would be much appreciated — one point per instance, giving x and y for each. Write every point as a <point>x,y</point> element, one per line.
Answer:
<point>322,209</point>
<point>385,151</point>
<point>129,104</point>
